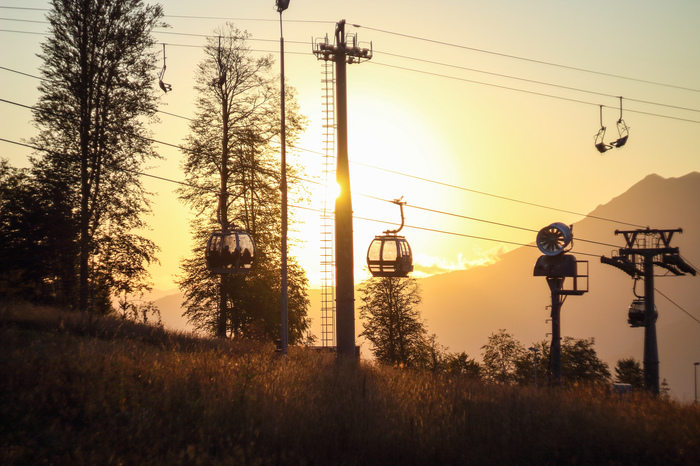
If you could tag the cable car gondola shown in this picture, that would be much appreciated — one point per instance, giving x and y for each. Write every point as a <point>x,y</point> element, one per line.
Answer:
<point>230,251</point>
<point>389,255</point>
<point>635,315</point>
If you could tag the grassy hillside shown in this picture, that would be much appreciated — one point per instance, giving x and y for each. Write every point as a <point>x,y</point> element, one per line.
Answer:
<point>80,391</point>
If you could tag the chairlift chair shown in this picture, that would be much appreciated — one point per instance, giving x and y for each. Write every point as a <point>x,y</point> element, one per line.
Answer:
<point>622,130</point>
<point>389,255</point>
<point>164,86</point>
<point>230,251</point>
<point>599,143</point>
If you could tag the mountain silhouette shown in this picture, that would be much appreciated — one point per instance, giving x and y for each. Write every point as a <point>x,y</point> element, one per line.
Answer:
<point>464,308</point>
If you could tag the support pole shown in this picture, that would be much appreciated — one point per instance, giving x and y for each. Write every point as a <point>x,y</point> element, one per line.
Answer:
<point>651,351</point>
<point>345,280</point>
<point>284,330</point>
<point>555,285</point>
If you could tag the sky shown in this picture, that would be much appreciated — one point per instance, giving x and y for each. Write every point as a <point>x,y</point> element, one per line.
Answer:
<point>485,110</point>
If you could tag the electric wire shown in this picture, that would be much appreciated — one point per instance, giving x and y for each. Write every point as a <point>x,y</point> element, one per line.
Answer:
<point>412,37</point>
<point>182,148</point>
<point>531,60</point>
<point>441,75</point>
<point>532,81</point>
<point>24,20</point>
<point>24,32</point>
<point>483,238</point>
<point>525,91</point>
<point>678,306</point>
<point>396,173</point>
<point>498,196</point>
<point>417,59</point>
<point>690,264</point>
<point>422,39</point>
<point>136,172</point>
<point>320,210</point>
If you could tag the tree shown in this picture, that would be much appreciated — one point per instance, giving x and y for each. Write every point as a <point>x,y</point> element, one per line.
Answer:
<point>231,166</point>
<point>432,355</point>
<point>22,264</point>
<point>37,256</point>
<point>392,321</point>
<point>500,357</point>
<point>462,364</point>
<point>579,363</point>
<point>629,370</point>
<point>96,97</point>
<point>525,366</point>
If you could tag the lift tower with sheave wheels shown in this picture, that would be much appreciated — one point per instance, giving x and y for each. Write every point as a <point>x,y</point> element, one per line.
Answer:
<point>645,248</point>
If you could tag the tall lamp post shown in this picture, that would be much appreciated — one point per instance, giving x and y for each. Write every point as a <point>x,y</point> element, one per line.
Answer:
<point>282,5</point>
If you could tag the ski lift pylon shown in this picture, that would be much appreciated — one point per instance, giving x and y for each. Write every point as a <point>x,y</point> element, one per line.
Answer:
<point>389,255</point>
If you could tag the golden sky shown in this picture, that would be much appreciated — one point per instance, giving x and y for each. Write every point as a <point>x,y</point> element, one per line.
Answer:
<point>498,97</point>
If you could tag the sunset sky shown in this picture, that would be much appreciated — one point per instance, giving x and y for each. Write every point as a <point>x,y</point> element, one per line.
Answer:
<point>486,110</point>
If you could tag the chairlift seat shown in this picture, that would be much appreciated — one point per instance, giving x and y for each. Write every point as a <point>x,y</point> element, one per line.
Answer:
<point>620,142</point>
<point>602,147</point>
<point>164,86</point>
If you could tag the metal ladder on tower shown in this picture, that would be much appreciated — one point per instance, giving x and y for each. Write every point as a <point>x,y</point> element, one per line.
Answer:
<point>327,216</point>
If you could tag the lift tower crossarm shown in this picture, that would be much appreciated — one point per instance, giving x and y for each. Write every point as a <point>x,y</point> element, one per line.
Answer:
<point>631,236</point>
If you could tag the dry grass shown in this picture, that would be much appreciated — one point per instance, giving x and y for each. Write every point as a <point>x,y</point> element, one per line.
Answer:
<point>76,391</point>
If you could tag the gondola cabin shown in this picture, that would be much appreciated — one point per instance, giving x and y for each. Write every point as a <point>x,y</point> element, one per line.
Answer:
<point>635,315</point>
<point>389,255</point>
<point>231,251</point>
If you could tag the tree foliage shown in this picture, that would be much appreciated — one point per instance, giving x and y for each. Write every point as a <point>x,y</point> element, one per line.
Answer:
<point>392,322</point>
<point>629,370</point>
<point>580,363</point>
<point>462,364</point>
<point>31,264</point>
<point>96,97</point>
<point>500,357</point>
<point>232,169</point>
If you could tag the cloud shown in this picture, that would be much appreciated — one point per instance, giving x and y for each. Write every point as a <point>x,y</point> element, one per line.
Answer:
<point>425,265</point>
